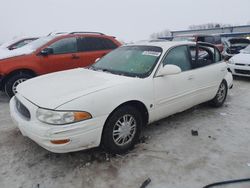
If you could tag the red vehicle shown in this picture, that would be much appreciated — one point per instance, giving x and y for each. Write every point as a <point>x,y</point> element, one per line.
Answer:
<point>50,54</point>
<point>212,39</point>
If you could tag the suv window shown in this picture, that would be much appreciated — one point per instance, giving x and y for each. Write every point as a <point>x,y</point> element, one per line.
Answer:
<point>179,56</point>
<point>95,44</point>
<point>63,46</point>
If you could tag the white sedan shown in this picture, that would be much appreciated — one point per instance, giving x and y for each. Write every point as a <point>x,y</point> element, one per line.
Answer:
<point>240,64</point>
<point>109,103</point>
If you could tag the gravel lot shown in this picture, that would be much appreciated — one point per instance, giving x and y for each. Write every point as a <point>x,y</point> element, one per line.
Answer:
<point>168,153</point>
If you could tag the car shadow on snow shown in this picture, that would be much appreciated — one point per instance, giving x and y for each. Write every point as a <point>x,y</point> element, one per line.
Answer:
<point>3,97</point>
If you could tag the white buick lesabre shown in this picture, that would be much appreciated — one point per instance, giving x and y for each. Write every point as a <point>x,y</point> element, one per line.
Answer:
<point>109,103</point>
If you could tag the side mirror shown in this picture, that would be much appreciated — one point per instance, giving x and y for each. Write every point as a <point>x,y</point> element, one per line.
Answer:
<point>169,70</point>
<point>47,51</point>
<point>97,60</point>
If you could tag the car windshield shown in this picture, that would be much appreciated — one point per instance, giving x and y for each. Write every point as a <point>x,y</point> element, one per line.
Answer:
<point>39,42</point>
<point>135,61</point>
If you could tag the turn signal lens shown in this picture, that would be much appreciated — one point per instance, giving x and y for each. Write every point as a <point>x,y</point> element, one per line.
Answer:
<point>65,141</point>
<point>79,116</point>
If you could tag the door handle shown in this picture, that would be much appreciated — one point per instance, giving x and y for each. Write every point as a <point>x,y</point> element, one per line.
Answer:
<point>223,70</point>
<point>191,77</point>
<point>75,56</point>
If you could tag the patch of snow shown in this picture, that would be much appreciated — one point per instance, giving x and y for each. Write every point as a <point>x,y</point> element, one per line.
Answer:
<point>4,53</point>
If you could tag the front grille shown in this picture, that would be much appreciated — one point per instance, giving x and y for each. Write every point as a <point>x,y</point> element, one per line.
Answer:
<point>22,109</point>
<point>240,64</point>
<point>242,71</point>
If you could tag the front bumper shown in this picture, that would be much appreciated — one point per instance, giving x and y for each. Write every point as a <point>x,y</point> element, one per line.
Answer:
<point>240,70</point>
<point>82,135</point>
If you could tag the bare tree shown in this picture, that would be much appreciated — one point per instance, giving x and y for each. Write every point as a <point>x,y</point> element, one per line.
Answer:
<point>165,33</point>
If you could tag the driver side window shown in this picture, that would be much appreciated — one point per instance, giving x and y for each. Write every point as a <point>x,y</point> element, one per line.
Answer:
<point>64,46</point>
<point>180,57</point>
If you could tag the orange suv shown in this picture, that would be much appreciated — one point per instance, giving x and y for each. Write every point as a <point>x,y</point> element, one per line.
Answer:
<point>52,53</point>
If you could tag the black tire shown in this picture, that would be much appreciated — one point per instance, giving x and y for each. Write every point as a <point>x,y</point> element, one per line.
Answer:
<point>110,140</point>
<point>220,96</point>
<point>13,80</point>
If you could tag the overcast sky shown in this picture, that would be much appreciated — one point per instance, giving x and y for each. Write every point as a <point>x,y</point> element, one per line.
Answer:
<point>126,19</point>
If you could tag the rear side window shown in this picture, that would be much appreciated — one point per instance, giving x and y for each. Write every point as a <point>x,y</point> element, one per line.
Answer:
<point>95,44</point>
<point>201,56</point>
<point>204,55</point>
<point>63,46</point>
<point>180,57</point>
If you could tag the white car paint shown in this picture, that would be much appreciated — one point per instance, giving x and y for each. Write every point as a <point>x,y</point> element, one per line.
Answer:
<point>240,64</point>
<point>100,93</point>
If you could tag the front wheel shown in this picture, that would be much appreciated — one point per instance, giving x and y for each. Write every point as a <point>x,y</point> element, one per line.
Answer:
<point>122,130</point>
<point>221,95</point>
<point>12,83</point>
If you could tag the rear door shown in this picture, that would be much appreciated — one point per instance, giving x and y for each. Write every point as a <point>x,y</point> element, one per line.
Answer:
<point>64,56</point>
<point>208,71</point>
<point>92,48</point>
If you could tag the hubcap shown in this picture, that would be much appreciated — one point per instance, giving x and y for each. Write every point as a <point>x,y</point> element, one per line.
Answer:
<point>124,130</point>
<point>16,83</point>
<point>221,93</point>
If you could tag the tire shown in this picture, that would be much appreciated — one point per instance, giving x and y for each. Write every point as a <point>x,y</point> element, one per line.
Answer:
<point>220,96</point>
<point>117,137</point>
<point>13,81</point>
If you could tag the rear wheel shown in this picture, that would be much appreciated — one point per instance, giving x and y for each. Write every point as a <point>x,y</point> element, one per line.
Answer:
<point>122,130</point>
<point>12,83</point>
<point>221,95</point>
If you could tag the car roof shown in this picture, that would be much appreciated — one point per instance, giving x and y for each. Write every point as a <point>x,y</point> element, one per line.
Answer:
<point>164,44</point>
<point>78,33</point>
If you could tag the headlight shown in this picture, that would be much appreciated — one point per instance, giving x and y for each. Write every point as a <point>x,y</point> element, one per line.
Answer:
<point>231,61</point>
<point>61,117</point>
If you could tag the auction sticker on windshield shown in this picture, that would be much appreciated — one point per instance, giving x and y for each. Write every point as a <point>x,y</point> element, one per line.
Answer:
<point>151,53</point>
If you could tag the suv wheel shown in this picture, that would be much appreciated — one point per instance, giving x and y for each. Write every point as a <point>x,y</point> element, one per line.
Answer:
<point>122,130</point>
<point>12,83</point>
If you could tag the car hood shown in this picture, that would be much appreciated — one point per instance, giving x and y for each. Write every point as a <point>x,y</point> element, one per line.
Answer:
<point>5,53</point>
<point>242,58</point>
<point>53,90</point>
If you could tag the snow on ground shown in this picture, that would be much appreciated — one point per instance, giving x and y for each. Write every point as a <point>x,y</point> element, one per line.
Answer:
<point>168,153</point>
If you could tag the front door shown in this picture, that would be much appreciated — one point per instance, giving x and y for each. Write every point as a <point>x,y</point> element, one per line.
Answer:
<point>173,93</point>
<point>64,56</point>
